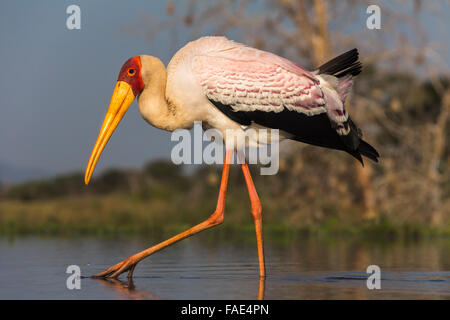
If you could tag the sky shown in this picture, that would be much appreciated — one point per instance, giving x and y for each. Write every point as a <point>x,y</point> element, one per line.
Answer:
<point>56,85</point>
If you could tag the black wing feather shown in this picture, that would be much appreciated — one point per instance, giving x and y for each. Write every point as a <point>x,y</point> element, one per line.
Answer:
<point>315,130</point>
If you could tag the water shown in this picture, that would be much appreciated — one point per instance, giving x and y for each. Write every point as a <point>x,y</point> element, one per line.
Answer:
<point>201,268</point>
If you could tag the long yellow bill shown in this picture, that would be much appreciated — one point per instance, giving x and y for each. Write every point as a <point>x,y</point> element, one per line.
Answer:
<point>120,102</point>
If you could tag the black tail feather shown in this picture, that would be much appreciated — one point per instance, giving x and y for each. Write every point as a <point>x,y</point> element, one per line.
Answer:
<point>356,154</point>
<point>368,151</point>
<point>344,64</point>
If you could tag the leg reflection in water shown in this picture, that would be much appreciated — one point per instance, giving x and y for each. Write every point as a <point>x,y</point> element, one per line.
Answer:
<point>261,288</point>
<point>129,291</point>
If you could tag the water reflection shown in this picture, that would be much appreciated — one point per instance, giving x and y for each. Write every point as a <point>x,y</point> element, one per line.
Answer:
<point>205,268</point>
<point>127,289</point>
<point>261,288</point>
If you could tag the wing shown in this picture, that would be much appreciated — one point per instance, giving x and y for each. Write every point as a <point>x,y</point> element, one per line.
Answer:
<point>250,85</point>
<point>247,79</point>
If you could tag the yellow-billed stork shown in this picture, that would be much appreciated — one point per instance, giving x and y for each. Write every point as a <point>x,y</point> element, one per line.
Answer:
<point>230,86</point>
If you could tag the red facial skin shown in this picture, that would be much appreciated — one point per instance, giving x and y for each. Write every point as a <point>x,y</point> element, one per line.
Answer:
<point>131,74</point>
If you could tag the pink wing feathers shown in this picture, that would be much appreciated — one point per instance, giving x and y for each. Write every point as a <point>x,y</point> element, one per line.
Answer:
<point>248,79</point>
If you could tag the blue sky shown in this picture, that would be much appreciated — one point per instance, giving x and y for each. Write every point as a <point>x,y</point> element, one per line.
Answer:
<point>56,83</point>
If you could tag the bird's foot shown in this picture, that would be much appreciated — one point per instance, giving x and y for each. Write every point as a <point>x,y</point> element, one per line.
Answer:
<point>116,270</point>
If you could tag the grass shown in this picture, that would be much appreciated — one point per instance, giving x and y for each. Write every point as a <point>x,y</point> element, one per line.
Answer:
<point>123,214</point>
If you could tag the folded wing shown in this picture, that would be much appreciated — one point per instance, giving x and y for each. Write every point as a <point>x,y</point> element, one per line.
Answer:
<point>247,79</point>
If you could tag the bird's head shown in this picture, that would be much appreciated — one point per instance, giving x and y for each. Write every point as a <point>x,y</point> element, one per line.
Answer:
<point>129,84</point>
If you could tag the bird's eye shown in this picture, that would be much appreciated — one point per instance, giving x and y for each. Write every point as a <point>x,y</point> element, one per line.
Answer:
<point>131,72</point>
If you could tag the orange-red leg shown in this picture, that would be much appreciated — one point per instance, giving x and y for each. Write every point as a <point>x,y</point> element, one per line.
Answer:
<point>216,218</point>
<point>257,218</point>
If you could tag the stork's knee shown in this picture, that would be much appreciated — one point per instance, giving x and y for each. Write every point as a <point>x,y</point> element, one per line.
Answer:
<point>256,210</point>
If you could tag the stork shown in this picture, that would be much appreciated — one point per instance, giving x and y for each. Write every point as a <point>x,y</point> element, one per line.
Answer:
<point>231,86</point>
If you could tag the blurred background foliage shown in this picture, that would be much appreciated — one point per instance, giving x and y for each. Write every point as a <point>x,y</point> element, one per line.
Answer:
<point>401,101</point>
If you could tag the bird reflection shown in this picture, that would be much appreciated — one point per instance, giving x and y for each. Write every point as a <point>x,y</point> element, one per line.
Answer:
<point>261,288</point>
<point>128,289</point>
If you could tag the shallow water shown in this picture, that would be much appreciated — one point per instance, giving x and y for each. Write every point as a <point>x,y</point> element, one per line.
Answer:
<point>201,268</point>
